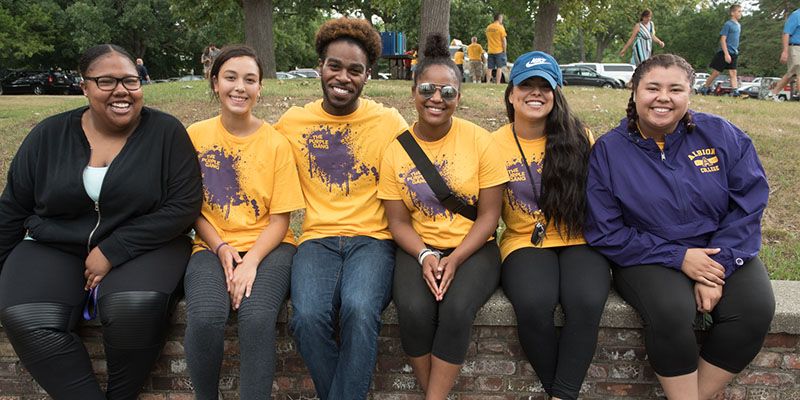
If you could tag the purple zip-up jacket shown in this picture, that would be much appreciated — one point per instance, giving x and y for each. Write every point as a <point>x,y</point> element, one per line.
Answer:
<point>707,189</point>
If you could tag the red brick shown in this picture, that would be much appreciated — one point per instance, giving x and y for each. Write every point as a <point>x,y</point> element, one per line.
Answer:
<point>489,383</point>
<point>625,371</point>
<point>173,348</point>
<point>765,394</point>
<point>763,378</point>
<point>481,397</point>
<point>488,367</point>
<point>494,347</point>
<point>152,396</point>
<point>767,359</point>
<point>732,393</point>
<point>597,371</point>
<point>519,385</point>
<point>180,396</point>
<point>620,337</point>
<point>393,364</point>
<point>394,382</point>
<point>791,361</point>
<point>781,341</point>
<point>396,396</point>
<point>624,389</point>
<point>171,383</point>
<point>605,353</point>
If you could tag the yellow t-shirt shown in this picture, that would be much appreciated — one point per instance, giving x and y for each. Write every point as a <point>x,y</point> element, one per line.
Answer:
<point>459,58</point>
<point>338,159</point>
<point>495,34</point>
<point>475,52</point>
<point>245,179</point>
<point>467,160</point>
<point>520,211</point>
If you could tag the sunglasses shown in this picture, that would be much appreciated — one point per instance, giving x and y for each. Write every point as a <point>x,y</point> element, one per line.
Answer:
<point>427,90</point>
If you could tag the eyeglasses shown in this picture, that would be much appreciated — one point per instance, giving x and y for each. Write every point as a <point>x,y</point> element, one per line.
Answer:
<point>109,83</point>
<point>427,90</point>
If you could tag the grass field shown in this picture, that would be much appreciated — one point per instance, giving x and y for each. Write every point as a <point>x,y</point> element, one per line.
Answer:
<point>774,127</point>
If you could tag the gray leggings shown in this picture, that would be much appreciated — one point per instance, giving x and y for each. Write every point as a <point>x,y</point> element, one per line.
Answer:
<point>207,309</point>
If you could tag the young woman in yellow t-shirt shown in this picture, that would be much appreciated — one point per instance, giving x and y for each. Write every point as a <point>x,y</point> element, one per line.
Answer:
<point>545,258</point>
<point>243,250</point>
<point>447,266</point>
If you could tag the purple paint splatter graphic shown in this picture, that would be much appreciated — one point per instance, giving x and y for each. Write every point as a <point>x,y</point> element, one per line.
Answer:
<point>422,196</point>
<point>331,157</point>
<point>221,181</point>
<point>518,191</point>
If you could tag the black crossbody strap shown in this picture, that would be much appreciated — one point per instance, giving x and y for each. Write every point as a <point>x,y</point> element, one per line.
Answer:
<point>434,180</point>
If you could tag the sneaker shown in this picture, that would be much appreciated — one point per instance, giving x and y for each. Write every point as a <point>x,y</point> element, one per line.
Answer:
<point>736,93</point>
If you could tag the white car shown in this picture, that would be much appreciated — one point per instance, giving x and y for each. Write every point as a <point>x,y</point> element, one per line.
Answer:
<point>619,71</point>
<point>756,82</point>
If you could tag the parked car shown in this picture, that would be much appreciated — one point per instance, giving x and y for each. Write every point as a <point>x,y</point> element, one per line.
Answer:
<point>284,75</point>
<point>585,76</point>
<point>756,82</point>
<point>187,78</point>
<point>41,82</point>
<point>618,71</point>
<point>305,73</point>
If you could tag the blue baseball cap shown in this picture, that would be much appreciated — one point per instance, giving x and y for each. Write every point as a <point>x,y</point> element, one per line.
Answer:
<point>537,63</point>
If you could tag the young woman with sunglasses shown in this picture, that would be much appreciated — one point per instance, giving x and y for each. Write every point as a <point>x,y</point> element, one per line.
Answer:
<point>243,250</point>
<point>96,210</point>
<point>447,265</point>
<point>545,258</point>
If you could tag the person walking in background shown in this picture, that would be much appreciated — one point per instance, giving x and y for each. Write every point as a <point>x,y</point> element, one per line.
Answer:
<point>144,76</point>
<point>642,37</point>
<point>448,262</point>
<point>728,54</point>
<point>459,60</point>
<point>546,261</point>
<point>790,55</point>
<point>243,249</point>
<point>476,59</point>
<point>345,260</point>
<point>675,200</point>
<point>497,46</point>
<point>95,215</point>
<point>207,58</point>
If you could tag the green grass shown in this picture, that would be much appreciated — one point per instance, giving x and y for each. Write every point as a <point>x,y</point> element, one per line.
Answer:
<point>774,127</point>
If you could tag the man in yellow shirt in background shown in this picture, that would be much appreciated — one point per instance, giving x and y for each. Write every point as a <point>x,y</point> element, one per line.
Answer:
<point>475,56</point>
<point>496,36</point>
<point>459,60</point>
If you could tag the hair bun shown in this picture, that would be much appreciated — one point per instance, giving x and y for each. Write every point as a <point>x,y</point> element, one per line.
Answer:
<point>436,46</point>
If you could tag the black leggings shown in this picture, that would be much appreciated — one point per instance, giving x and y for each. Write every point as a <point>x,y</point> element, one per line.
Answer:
<point>535,280</point>
<point>664,298</point>
<point>443,328</point>
<point>41,302</point>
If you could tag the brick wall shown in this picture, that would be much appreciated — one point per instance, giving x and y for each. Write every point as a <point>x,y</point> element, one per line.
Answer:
<point>495,369</point>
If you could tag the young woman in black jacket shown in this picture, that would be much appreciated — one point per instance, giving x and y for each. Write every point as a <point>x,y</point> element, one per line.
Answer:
<point>93,217</point>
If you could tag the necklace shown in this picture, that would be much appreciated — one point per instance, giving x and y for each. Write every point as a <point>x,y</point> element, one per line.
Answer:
<point>431,148</point>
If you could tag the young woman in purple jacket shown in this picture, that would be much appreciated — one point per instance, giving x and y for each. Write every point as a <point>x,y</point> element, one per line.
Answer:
<point>675,199</point>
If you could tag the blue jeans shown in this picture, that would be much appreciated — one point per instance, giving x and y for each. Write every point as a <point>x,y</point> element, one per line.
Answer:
<point>351,277</point>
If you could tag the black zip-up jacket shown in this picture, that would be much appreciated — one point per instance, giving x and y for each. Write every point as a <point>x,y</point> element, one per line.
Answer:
<point>151,193</point>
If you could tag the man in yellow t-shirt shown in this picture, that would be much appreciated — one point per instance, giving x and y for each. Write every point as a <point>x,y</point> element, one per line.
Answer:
<point>476,57</point>
<point>496,36</point>
<point>345,259</point>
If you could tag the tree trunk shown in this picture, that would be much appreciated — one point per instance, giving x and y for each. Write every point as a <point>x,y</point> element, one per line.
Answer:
<point>582,44</point>
<point>258,32</point>
<point>602,44</point>
<point>435,18</point>
<point>545,25</point>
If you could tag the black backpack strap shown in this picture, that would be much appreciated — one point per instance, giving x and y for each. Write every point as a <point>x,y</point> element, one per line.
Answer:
<point>434,179</point>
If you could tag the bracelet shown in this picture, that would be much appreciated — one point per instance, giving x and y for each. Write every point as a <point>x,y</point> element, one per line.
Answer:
<point>427,252</point>
<point>219,246</point>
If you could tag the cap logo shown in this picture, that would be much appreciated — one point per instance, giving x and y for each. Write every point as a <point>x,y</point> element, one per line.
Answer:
<point>536,61</point>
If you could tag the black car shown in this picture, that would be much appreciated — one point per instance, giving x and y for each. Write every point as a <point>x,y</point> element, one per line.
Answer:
<point>584,76</point>
<point>41,82</point>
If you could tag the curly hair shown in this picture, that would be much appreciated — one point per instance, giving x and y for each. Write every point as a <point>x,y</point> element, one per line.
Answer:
<point>663,61</point>
<point>565,167</point>
<point>436,53</point>
<point>356,31</point>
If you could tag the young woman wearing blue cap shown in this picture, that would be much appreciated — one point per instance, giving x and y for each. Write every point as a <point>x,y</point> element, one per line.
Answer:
<point>675,202</point>
<point>545,258</point>
<point>447,263</point>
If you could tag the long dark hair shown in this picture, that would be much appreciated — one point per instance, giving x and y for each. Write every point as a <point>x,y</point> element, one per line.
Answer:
<point>663,61</point>
<point>565,166</point>
<point>436,53</point>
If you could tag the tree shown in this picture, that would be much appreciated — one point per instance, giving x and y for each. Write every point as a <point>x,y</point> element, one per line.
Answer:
<point>435,18</point>
<point>544,27</point>
<point>258,32</point>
